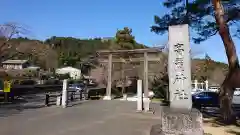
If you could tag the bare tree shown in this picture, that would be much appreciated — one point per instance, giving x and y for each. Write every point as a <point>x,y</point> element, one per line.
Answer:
<point>9,49</point>
<point>40,54</point>
<point>217,76</point>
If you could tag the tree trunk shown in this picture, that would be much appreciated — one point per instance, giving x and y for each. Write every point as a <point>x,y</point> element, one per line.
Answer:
<point>227,90</point>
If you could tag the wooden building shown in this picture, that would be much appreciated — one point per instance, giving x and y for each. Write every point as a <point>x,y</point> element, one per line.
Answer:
<point>15,64</point>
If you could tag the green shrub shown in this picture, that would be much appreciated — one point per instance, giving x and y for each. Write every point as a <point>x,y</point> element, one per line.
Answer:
<point>160,86</point>
<point>28,82</point>
<point>52,82</point>
<point>62,76</point>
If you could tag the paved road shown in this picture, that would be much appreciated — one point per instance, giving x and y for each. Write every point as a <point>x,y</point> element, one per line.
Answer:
<point>88,118</point>
<point>83,117</point>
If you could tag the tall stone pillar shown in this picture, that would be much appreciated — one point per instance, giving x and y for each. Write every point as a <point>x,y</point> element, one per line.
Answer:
<point>109,79</point>
<point>139,96</point>
<point>145,75</point>
<point>64,94</point>
<point>180,118</point>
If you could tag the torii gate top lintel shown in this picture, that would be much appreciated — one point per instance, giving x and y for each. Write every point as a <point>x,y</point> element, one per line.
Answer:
<point>133,51</point>
<point>135,55</point>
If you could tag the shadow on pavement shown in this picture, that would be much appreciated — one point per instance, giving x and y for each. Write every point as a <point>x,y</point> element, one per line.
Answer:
<point>212,115</point>
<point>22,103</point>
<point>75,103</point>
<point>28,102</point>
<point>233,132</point>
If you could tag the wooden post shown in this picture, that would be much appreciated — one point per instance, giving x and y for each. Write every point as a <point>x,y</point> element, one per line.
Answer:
<point>6,97</point>
<point>145,76</point>
<point>146,100</point>
<point>109,79</point>
<point>47,99</point>
<point>122,78</point>
<point>167,93</point>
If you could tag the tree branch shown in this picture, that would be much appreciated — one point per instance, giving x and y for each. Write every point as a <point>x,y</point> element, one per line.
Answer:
<point>8,47</point>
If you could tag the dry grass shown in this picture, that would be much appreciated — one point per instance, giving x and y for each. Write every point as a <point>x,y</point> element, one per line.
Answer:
<point>214,127</point>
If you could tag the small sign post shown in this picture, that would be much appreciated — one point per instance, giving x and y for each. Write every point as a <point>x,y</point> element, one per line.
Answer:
<point>7,86</point>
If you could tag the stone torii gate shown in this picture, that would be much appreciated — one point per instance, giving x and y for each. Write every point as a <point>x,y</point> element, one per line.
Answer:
<point>145,59</point>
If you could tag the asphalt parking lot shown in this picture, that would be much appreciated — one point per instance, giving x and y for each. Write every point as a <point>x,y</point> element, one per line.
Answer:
<point>88,118</point>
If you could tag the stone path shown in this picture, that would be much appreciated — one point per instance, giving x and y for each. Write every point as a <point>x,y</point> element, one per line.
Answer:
<point>88,118</point>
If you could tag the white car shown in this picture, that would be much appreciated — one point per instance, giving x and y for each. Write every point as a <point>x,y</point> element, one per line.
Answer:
<point>237,93</point>
<point>76,87</point>
<point>196,91</point>
<point>214,89</point>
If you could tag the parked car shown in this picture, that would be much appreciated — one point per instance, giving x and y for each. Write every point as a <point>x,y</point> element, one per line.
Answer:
<point>196,91</point>
<point>90,82</point>
<point>214,88</point>
<point>237,92</point>
<point>205,99</point>
<point>96,93</point>
<point>77,87</point>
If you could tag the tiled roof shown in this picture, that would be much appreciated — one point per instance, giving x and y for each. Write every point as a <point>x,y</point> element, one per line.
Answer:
<point>14,61</point>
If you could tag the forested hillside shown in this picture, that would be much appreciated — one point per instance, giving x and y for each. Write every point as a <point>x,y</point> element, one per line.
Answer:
<point>61,51</point>
<point>207,69</point>
<point>55,52</point>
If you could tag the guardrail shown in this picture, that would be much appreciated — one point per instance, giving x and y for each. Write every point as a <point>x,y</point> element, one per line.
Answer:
<point>21,90</point>
<point>18,90</point>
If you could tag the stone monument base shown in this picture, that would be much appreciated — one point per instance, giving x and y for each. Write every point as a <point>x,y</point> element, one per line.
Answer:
<point>179,122</point>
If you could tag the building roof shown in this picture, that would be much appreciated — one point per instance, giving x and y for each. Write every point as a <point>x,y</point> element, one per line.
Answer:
<point>14,61</point>
<point>67,68</point>
<point>33,67</point>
